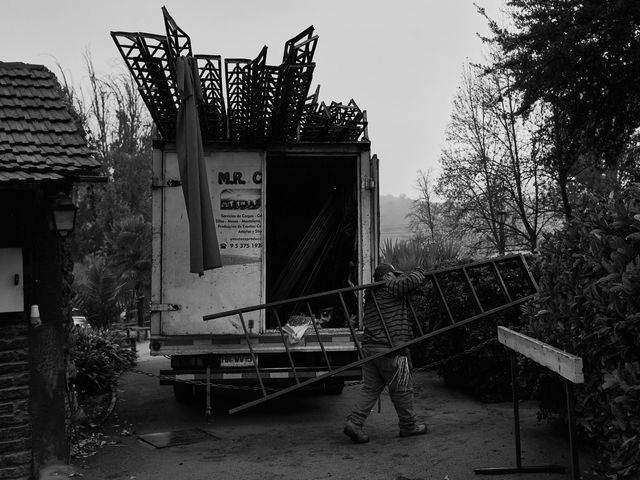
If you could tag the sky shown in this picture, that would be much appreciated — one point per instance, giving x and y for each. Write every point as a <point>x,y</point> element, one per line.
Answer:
<point>399,60</point>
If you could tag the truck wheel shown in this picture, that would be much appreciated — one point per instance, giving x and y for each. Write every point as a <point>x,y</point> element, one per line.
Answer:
<point>183,392</point>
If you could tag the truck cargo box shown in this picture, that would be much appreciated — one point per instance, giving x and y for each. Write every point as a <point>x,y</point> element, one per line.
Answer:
<point>290,222</point>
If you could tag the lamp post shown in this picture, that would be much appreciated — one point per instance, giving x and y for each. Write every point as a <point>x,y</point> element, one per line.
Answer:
<point>63,215</point>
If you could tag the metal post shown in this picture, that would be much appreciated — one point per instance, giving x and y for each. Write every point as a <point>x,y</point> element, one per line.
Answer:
<point>575,468</point>
<point>516,408</point>
<point>208,409</point>
<point>139,311</point>
<point>516,426</point>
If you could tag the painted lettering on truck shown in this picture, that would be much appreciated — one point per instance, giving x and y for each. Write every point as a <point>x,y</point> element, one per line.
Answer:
<point>235,178</point>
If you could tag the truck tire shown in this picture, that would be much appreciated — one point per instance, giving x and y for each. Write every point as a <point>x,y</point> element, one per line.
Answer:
<point>183,392</point>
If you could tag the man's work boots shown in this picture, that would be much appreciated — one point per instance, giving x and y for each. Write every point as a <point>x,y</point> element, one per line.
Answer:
<point>417,429</point>
<point>355,433</point>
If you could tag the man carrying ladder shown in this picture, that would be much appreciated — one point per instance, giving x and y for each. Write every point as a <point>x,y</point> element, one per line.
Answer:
<point>387,324</point>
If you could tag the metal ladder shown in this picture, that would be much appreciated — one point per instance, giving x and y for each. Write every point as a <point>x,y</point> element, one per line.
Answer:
<point>463,294</point>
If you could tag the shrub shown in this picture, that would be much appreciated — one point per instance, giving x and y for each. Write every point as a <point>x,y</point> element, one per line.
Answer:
<point>409,254</point>
<point>483,372</point>
<point>99,292</point>
<point>99,356</point>
<point>589,306</point>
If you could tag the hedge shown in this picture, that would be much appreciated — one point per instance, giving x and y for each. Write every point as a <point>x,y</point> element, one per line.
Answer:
<point>590,306</point>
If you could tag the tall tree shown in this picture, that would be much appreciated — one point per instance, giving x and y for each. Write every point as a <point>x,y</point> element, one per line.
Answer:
<point>491,170</point>
<point>469,179</point>
<point>424,214</point>
<point>580,59</point>
<point>128,248</point>
<point>120,134</point>
<point>529,204</point>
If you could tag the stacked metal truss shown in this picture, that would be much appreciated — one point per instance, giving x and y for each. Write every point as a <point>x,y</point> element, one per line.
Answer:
<point>213,122</point>
<point>146,57</point>
<point>238,74</point>
<point>296,73</point>
<point>264,86</point>
<point>265,103</point>
<point>334,123</point>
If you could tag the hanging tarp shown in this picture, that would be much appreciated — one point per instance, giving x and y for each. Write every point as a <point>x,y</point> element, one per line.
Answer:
<point>204,251</point>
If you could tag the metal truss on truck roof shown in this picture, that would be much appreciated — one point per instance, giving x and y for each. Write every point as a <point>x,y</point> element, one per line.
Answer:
<point>147,59</point>
<point>265,104</point>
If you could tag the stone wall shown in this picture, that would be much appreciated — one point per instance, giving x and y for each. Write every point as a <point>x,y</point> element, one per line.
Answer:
<point>33,429</point>
<point>15,419</point>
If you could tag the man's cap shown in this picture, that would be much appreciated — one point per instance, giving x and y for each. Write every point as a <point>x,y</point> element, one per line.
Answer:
<point>382,269</point>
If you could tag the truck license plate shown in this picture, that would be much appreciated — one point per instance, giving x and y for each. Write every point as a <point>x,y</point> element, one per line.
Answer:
<point>236,361</point>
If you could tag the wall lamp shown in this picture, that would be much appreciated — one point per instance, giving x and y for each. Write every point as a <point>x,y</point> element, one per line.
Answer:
<point>63,215</point>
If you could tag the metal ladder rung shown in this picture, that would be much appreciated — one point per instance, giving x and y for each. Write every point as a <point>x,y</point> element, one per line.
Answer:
<point>315,328</point>
<point>286,346</point>
<point>442,297</point>
<point>384,324</point>
<point>496,272</point>
<point>416,320</point>
<point>253,355</point>
<point>351,330</point>
<point>473,290</point>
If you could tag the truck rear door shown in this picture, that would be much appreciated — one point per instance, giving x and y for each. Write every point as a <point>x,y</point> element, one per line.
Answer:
<point>235,183</point>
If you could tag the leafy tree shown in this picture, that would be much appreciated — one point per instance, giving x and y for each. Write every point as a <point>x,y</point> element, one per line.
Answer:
<point>129,253</point>
<point>114,218</point>
<point>579,59</point>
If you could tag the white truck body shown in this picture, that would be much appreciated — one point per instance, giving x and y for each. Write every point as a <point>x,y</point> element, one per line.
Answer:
<point>257,195</point>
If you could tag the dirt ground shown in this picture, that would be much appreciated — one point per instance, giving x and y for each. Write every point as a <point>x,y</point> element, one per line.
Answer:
<point>300,437</point>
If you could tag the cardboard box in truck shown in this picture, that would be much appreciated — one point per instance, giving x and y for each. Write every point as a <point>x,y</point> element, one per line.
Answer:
<point>290,221</point>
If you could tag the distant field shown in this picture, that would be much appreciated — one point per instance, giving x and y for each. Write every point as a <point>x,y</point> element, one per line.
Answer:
<point>393,221</point>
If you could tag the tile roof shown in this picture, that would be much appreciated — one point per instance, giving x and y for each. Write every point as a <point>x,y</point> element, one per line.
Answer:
<point>39,138</point>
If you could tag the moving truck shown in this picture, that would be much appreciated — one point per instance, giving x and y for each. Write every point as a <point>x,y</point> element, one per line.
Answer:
<point>291,220</point>
<point>294,192</point>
